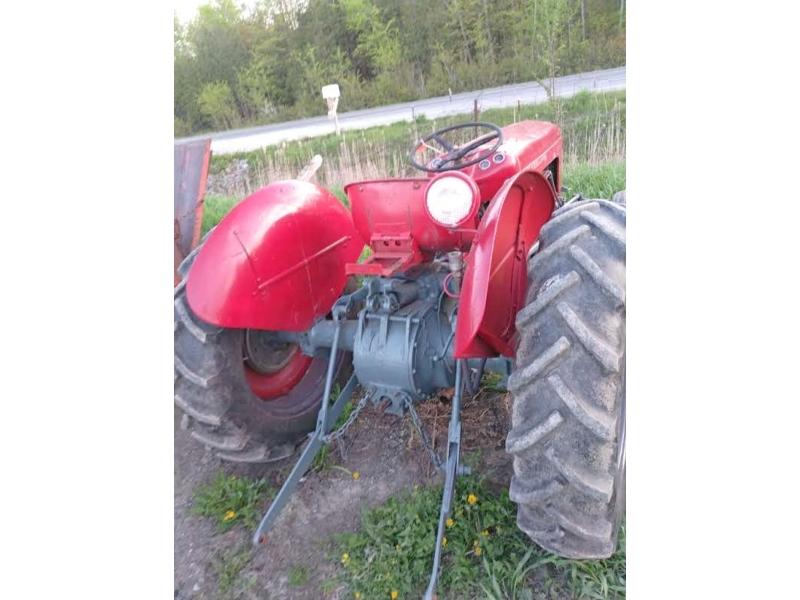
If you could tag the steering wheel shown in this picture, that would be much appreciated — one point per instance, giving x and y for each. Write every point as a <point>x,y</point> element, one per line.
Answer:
<point>451,154</point>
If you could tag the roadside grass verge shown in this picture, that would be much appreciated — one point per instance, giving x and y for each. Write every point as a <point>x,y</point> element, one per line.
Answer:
<point>214,208</point>
<point>592,126</point>
<point>594,180</point>
<point>599,180</point>
<point>485,555</point>
<point>577,112</point>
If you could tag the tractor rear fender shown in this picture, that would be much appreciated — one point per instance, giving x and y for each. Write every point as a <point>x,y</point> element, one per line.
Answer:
<point>495,278</point>
<point>276,261</point>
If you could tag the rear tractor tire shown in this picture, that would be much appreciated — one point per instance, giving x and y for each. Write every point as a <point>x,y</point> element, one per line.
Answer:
<point>568,423</point>
<point>248,411</point>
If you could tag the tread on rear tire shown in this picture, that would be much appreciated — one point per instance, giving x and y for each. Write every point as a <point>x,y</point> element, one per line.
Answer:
<point>568,423</point>
<point>222,411</point>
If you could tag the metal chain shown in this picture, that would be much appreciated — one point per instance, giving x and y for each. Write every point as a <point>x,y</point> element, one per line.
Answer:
<point>335,435</point>
<point>423,436</point>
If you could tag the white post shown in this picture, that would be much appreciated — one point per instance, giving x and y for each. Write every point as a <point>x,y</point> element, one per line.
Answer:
<point>330,93</point>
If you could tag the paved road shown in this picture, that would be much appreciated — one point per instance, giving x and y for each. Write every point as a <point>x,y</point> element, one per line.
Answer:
<point>237,140</point>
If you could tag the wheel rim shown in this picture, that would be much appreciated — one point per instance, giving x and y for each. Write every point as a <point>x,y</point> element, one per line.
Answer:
<point>271,367</point>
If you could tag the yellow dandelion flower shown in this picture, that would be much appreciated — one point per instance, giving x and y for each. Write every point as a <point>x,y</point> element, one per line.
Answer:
<point>356,475</point>
<point>485,533</point>
<point>231,514</point>
<point>478,550</point>
<point>450,522</point>
<point>472,499</point>
<point>394,594</point>
<point>345,558</point>
<point>444,542</point>
<point>358,595</point>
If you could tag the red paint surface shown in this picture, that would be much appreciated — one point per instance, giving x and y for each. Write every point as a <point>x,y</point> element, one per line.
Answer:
<point>520,200</point>
<point>275,385</point>
<point>495,278</point>
<point>276,261</point>
<point>386,208</point>
<point>527,146</point>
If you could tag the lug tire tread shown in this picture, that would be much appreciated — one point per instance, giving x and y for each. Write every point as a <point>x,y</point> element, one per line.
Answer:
<point>219,409</point>
<point>569,469</point>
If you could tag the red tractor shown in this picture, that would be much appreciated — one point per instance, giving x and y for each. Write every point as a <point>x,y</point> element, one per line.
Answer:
<point>477,265</point>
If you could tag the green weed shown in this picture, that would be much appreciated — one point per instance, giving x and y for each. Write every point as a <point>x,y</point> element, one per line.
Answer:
<point>328,586</point>
<point>595,181</point>
<point>485,554</point>
<point>324,459</point>
<point>230,499</point>
<point>493,382</point>
<point>214,208</point>
<point>298,576</point>
<point>228,567</point>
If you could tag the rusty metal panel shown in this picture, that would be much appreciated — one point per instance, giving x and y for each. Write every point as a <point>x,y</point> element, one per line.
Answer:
<point>191,171</point>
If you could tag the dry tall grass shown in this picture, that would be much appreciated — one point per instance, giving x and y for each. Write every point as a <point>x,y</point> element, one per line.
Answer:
<point>593,139</point>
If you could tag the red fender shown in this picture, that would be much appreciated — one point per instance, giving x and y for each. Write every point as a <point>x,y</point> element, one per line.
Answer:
<point>495,278</point>
<point>276,261</point>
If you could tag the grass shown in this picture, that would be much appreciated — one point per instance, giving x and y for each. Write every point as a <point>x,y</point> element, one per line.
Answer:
<point>228,568</point>
<point>485,555</point>
<point>592,126</point>
<point>230,500</point>
<point>298,576</point>
<point>594,181</point>
<point>324,458</point>
<point>214,208</point>
<point>493,382</point>
<point>576,116</point>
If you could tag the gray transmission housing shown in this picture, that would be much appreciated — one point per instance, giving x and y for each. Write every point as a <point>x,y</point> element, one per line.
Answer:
<point>405,354</point>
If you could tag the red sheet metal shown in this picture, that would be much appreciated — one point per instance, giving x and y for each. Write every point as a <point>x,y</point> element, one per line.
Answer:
<point>387,208</point>
<point>276,261</point>
<point>495,278</point>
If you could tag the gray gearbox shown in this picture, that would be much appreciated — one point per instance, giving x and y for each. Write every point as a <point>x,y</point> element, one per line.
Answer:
<point>406,354</point>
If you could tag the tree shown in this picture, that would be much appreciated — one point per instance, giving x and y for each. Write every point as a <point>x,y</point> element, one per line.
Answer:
<point>273,58</point>
<point>217,104</point>
<point>548,25</point>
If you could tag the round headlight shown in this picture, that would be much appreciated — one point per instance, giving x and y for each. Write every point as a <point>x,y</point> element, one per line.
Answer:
<point>451,199</point>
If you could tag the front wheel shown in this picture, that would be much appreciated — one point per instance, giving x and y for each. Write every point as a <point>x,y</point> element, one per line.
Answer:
<point>568,424</point>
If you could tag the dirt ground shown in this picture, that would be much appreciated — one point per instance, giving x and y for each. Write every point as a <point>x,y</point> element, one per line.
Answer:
<point>382,448</point>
